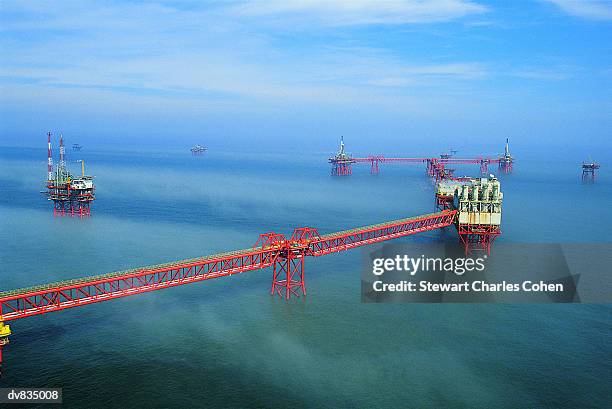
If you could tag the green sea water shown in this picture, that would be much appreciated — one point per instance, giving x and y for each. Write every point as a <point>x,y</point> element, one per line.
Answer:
<point>228,343</point>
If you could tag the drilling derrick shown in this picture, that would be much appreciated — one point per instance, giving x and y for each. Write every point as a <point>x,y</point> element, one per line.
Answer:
<point>342,162</point>
<point>479,205</point>
<point>506,160</point>
<point>71,196</point>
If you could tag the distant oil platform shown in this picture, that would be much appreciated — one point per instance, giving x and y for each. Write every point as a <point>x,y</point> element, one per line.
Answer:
<point>198,150</point>
<point>451,152</point>
<point>71,195</point>
<point>342,162</point>
<point>588,171</point>
<point>506,160</point>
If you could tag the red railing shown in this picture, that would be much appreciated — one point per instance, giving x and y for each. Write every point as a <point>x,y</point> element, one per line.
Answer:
<point>271,249</point>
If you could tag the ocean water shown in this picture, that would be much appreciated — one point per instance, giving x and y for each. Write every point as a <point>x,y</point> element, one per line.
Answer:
<point>228,343</point>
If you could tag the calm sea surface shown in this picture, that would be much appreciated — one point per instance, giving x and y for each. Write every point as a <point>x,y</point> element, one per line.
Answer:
<point>228,343</point>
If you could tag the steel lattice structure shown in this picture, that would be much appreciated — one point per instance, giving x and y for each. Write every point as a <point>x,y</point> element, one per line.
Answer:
<point>342,162</point>
<point>71,196</point>
<point>477,236</point>
<point>270,249</point>
<point>376,160</point>
<point>285,256</point>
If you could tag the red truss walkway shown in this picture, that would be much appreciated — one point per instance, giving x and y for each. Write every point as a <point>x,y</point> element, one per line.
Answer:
<point>271,249</point>
<point>285,256</point>
<point>376,160</point>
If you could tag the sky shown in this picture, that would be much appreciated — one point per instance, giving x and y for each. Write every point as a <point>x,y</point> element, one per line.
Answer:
<point>275,75</point>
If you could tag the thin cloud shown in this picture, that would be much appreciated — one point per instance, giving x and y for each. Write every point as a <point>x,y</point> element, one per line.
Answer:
<point>589,9</point>
<point>415,75</point>
<point>463,70</point>
<point>363,12</point>
<point>543,74</point>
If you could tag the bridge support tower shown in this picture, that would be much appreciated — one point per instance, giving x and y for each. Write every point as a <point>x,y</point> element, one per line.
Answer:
<point>374,163</point>
<point>484,166</point>
<point>288,274</point>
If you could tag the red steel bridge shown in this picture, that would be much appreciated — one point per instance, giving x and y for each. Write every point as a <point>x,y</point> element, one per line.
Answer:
<point>376,160</point>
<point>286,257</point>
<point>342,163</point>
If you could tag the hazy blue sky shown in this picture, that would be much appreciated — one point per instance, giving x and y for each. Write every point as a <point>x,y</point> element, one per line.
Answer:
<point>289,73</point>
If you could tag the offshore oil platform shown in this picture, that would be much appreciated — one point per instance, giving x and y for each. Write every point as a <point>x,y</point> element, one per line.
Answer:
<point>198,150</point>
<point>341,163</point>
<point>588,171</point>
<point>451,152</point>
<point>71,195</point>
<point>478,202</point>
<point>506,160</point>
